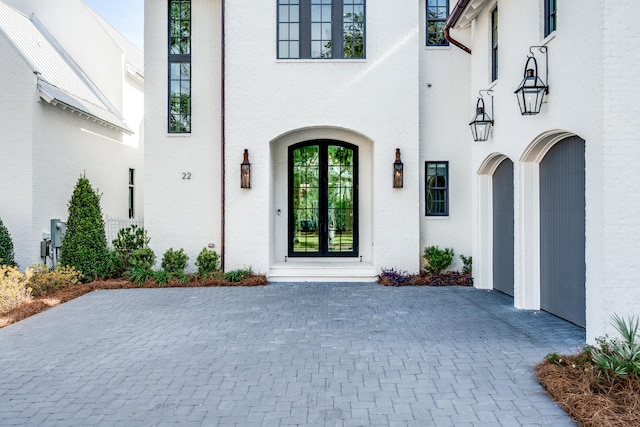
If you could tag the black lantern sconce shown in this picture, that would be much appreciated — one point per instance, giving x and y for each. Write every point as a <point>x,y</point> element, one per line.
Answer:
<point>482,122</point>
<point>245,171</point>
<point>398,171</point>
<point>532,89</point>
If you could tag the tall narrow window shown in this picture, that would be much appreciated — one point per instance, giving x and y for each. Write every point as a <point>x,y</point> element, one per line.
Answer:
<point>179,66</point>
<point>321,29</point>
<point>437,188</point>
<point>550,18</point>
<point>437,13</point>
<point>132,212</point>
<point>494,44</point>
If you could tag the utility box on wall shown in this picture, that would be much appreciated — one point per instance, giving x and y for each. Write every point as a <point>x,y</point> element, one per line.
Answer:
<point>57,231</point>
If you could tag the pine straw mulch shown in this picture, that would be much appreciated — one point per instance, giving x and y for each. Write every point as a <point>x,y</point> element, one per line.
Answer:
<point>590,397</point>
<point>39,304</point>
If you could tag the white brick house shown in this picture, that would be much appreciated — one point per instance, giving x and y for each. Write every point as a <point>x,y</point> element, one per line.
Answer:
<point>300,83</point>
<point>67,110</point>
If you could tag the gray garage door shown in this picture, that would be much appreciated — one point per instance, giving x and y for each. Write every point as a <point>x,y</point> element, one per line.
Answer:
<point>562,231</point>
<point>503,228</point>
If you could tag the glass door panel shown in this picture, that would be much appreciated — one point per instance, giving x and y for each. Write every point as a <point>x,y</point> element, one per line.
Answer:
<point>323,199</point>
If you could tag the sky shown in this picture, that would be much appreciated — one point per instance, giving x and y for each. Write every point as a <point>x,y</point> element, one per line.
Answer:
<point>126,16</point>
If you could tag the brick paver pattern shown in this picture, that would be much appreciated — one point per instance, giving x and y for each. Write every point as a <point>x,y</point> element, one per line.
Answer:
<point>312,354</point>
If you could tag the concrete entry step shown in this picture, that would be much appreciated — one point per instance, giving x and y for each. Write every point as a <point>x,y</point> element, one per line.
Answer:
<point>322,271</point>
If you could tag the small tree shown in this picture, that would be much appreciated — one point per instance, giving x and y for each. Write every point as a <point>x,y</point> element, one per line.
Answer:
<point>84,244</point>
<point>6,247</point>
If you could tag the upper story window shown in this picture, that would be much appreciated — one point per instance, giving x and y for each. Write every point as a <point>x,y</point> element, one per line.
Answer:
<point>179,66</point>
<point>437,14</point>
<point>494,44</point>
<point>132,194</point>
<point>321,29</point>
<point>550,18</point>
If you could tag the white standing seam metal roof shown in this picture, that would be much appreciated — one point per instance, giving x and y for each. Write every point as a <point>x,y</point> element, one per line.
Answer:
<point>58,82</point>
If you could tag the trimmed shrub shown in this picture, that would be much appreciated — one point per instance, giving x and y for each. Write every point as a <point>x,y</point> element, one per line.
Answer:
<point>44,280</point>
<point>207,261</point>
<point>437,259</point>
<point>174,262</point>
<point>128,240</point>
<point>142,258</point>
<point>84,244</point>
<point>6,247</point>
<point>13,287</point>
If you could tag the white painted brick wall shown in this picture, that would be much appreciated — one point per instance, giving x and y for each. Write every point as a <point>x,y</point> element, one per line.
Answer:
<point>15,143</point>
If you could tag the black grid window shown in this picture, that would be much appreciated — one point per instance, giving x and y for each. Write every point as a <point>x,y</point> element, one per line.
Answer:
<point>321,29</point>
<point>494,44</point>
<point>550,17</point>
<point>179,66</point>
<point>132,212</point>
<point>437,13</point>
<point>437,188</point>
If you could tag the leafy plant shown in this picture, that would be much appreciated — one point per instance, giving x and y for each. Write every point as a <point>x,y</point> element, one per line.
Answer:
<point>142,258</point>
<point>161,277</point>
<point>467,267</point>
<point>6,247</point>
<point>238,275</point>
<point>44,280</point>
<point>619,357</point>
<point>140,275</point>
<point>13,287</point>
<point>437,259</point>
<point>174,262</point>
<point>84,244</point>
<point>207,261</point>
<point>393,277</point>
<point>128,240</point>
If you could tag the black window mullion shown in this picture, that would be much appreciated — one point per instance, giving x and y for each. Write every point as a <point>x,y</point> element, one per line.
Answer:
<point>305,28</point>
<point>337,31</point>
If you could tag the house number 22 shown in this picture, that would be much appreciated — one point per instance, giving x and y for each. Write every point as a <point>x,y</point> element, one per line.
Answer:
<point>186,175</point>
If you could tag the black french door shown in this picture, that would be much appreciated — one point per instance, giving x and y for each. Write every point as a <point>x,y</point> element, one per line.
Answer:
<point>323,199</point>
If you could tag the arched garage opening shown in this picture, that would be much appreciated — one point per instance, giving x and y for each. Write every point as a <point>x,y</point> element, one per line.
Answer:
<point>554,223</point>
<point>495,257</point>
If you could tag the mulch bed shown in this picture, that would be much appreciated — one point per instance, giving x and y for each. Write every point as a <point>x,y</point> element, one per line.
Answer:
<point>590,397</point>
<point>449,278</point>
<point>59,296</point>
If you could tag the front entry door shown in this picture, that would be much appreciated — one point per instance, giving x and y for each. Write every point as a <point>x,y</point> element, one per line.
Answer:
<point>323,199</point>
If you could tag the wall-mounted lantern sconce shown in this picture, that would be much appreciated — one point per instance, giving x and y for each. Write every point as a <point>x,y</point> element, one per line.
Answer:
<point>532,89</point>
<point>398,171</point>
<point>482,122</point>
<point>245,171</point>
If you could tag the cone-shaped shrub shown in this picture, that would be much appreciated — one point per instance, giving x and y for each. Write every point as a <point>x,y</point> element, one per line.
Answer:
<point>6,246</point>
<point>84,244</point>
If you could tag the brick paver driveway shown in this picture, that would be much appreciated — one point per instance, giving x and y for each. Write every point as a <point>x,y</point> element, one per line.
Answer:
<point>284,354</point>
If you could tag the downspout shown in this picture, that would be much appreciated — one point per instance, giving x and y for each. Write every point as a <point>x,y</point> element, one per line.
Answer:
<point>222,136</point>
<point>452,20</point>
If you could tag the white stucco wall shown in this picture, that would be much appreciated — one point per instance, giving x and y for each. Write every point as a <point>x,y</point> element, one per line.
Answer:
<point>377,98</point>
<point>181,213</point>
<point>444,101</point>
<point>612,262</point>
<point>15,141</point>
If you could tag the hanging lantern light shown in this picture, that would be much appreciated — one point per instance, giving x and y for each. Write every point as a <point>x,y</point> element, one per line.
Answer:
<point>481,123</point>
<point>532,89</point>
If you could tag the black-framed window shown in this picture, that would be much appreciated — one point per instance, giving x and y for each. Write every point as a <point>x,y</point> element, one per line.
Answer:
<point>437,14</point>
<point>179,47</point>
<point>132,194</point>
<point>437,188</point>
<point>321,29</point>
<point>550,17</point>
<point>494,44</point>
